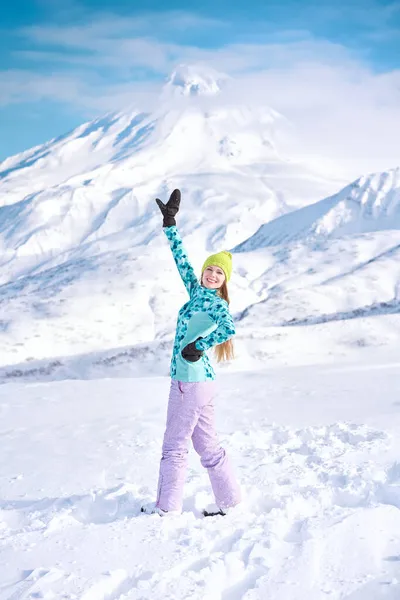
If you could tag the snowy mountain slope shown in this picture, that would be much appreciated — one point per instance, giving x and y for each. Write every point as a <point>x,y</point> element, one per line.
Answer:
<point>84,264</point>
<point>372,203</point>
<point>328,279</point>
<point>334,260</point>
<point>101,179</point>
<point>112,295</point>
<point>80,233</point>
<point>45,225</point>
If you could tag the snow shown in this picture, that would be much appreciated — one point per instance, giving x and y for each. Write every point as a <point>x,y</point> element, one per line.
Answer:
<point>309,408</point>
<point>80,232</point>
<point>316,450</point>
<point>194,80</point>
<point>370,204</point>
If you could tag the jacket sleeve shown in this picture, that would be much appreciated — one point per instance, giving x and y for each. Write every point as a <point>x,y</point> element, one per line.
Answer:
<point>185,269</point>
<point>225,328</point>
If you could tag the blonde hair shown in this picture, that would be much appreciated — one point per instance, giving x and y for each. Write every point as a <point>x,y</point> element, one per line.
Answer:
<point>224,351</point>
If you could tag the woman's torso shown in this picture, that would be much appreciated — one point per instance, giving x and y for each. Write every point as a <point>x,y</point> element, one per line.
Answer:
<point>195,319</point>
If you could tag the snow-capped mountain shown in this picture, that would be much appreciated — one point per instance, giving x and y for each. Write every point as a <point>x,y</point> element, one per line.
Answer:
<point>194,80</point>
<point>332,261</point>
<point>85,267</point>
<point>101,179</point>
<point>372,203</point>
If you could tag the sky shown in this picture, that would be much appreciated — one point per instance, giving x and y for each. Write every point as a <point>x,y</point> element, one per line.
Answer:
<point>331,67</point>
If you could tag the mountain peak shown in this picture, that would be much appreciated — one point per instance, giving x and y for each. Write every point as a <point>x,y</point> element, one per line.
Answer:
<point>195,80</point>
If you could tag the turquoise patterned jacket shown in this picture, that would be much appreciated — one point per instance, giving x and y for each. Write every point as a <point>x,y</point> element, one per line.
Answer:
<point>205,315</point>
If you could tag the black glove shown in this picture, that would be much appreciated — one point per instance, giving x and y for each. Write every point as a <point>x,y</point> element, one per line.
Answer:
<point>170,209</point>
<point>191,353</point>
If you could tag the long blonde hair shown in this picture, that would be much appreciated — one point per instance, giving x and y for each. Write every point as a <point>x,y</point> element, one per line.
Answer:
<point>224,351</point>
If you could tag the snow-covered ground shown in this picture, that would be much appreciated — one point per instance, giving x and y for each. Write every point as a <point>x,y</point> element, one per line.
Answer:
<point>317,452</point>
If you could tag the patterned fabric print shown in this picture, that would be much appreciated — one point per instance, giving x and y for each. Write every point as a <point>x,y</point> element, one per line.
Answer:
<point>185,269</point>
<point>220,314</point>
<point>205,315</point>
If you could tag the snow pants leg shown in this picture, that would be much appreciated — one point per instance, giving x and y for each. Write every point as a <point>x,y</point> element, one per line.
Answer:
<point>191,416</point>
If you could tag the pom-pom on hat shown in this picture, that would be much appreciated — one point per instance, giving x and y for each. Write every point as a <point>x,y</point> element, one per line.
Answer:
<point>223,260</point>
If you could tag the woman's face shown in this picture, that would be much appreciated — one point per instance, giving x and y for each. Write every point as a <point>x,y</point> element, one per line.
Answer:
<point>213,277</point>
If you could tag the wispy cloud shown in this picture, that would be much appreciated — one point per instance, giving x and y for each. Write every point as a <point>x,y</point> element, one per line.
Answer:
<point>107,27</point>
<point>94,76</point>
<point>354,18</point>
<point>88,97</point>
<point>342,106</point>
<point>114,41</point>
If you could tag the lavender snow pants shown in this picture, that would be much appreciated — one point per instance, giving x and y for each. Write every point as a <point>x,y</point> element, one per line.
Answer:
<point>191,415</point>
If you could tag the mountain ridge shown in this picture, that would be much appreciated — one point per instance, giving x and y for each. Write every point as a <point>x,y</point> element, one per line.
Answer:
<point>85,267</point>
<point>371,203</point>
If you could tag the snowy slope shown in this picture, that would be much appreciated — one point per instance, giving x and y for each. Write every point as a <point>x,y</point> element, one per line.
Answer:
<point>316,451</point>
<point>372,203</point>
<point>85,267</point>
<point>102,177</point>
<point>335,260</point>
<point>131,290</point>
<point>80,233</point>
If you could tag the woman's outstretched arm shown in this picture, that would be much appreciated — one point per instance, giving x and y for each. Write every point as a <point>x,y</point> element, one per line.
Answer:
<point>185,269</point>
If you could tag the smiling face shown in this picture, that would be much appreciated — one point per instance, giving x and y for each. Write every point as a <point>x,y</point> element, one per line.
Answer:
<point>213,277</point>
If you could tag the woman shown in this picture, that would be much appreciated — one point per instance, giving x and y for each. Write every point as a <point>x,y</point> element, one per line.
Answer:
<point>203,322</point>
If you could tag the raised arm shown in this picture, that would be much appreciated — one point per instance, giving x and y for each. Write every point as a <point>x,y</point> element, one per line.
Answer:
<point>225,328</point>
<point>185,269</point>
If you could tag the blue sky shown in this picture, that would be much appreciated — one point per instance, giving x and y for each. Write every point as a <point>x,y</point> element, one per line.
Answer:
<point>64,62</point>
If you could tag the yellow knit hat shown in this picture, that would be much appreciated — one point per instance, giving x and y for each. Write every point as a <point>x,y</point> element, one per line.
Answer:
<point>223,260</point>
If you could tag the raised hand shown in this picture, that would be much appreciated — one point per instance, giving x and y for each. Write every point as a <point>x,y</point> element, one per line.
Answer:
<point>170,209</point>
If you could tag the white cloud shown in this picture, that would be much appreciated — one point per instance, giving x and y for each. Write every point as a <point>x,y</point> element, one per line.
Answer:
<point>92,34</point>
<point>345,112</point>
<point>342,108</point>
<point>88,98</point>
